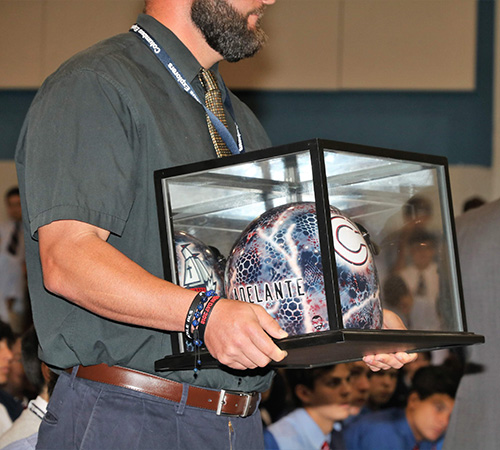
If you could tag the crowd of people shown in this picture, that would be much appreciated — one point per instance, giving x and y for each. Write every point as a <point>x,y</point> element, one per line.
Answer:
<point>413,260</point>
<point>24,380</point>
<point>343,406</point>
<point>25,387</point>
<point>14,304</point>
<point>346,406</point>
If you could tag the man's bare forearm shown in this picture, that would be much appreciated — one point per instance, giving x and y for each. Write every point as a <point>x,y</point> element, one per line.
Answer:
<point>79,265</point>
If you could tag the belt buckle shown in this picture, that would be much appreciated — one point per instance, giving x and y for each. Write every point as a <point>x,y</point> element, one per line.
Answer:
<point>222,402</point>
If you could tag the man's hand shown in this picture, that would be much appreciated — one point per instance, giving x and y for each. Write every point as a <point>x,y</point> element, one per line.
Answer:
<point>238,334</point>
<point>390,360</point>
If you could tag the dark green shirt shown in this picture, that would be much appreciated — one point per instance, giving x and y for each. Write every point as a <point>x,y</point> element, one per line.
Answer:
<point>97,130</point>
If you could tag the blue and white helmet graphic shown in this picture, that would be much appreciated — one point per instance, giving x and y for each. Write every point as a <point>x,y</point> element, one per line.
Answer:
<point>277,263</point>
<point>198,266</point>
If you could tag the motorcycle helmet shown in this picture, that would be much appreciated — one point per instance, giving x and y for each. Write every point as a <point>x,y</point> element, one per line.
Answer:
<point>199,267</point>
<point>276,263</point>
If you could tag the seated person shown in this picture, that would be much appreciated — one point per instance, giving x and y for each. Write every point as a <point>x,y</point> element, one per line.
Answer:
<point>421,425</point>
<point>405,377</point>
<point>360,390</point>
<point>422,278</point>
<point>18,386</point>
<point>398,298</point>
<point>382,388</point>
<point>322,396</point>
<point>43,380</point>
<point>9,408</point>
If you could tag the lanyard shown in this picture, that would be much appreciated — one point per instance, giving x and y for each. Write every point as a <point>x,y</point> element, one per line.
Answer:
<point>186,86</point>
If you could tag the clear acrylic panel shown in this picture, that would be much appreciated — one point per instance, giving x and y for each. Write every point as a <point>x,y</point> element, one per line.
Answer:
<point>404,207</point>
<point>402,204</point>
<point>217,205</point>
<point>244,227</point>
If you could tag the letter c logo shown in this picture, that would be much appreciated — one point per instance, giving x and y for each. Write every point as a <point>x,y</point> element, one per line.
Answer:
<point>348,242</point>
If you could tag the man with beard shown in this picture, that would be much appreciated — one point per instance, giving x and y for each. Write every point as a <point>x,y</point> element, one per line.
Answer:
<point>96,131</point>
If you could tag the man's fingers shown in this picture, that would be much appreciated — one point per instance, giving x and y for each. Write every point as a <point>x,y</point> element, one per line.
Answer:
<point>379,362</point>
<point>384,361</point>
<point>236,366</point>
<point>266,348</point>
<point>238,335</point>
<point>406,358</point>
<point>272,328</point>
<point>239,362</point>
<point>269,325</point>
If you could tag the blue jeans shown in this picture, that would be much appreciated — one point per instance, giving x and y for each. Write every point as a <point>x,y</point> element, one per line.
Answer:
<point>87,415</point>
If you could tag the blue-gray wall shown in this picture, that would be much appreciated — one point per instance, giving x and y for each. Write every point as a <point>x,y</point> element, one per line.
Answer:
<point>13,107</point>
<point>457,125</point>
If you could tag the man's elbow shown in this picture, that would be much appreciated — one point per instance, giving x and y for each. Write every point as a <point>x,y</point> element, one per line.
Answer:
<point>52,275</point>
<point>58,253</point>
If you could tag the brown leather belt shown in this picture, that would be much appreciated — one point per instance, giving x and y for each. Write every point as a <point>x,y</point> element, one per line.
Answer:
<point>223,402</point>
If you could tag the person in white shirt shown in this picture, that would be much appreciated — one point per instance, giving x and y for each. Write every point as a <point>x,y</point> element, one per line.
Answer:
<point>12,263</point>
<point>422,278</point>
<point>323,399</point>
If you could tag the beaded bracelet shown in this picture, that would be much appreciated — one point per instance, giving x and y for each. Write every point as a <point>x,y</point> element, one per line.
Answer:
<point>195,312</point>
<point>205,315</point>
<point>196,321</point>
<point>199,299</point>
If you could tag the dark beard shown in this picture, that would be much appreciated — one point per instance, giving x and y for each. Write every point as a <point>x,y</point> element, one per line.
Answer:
<point>226,30</point>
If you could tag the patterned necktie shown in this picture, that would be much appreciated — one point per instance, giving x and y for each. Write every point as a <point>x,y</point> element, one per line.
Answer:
<point>14,239</point>
<point>213,101</point>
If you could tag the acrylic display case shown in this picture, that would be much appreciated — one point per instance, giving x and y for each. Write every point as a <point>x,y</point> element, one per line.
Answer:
<point>328,237</point>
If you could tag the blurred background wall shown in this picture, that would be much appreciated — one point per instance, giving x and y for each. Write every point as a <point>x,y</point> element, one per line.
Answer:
<point>414,75</point>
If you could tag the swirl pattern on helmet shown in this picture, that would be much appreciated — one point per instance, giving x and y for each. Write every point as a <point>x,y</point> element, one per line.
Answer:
<point>277,263</point>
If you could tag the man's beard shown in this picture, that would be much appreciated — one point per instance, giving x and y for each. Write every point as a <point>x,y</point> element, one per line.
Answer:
<point>226,30</point>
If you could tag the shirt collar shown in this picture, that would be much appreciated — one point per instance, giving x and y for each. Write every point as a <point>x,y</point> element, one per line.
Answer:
<point>38,406</point>
<point>311,430</point>
<point>404,427</point>
<point>410,438</point>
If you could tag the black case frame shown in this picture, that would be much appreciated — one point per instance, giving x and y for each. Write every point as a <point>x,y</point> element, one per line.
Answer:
<point>338,344</point>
